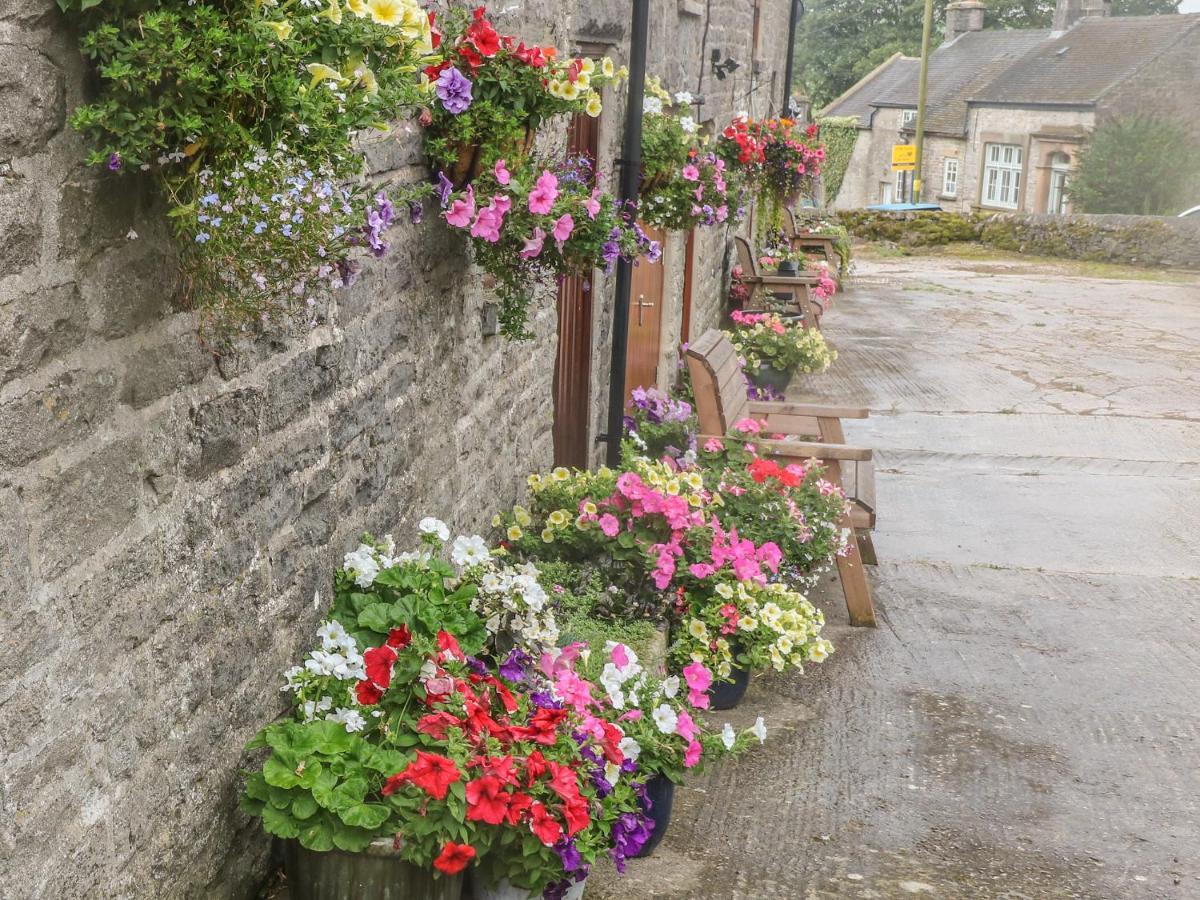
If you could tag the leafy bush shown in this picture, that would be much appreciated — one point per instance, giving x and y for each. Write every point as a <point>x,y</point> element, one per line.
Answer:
<point>1138,166</point>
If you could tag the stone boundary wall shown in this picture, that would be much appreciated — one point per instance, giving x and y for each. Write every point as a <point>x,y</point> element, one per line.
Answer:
<point>170,520</point>
<point>1137,240</point>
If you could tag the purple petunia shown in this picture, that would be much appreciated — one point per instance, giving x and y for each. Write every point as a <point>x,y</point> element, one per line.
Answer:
<point>516,665</point>
<point>445,187</point>
<point>454,90</point>
<point>114,161</point>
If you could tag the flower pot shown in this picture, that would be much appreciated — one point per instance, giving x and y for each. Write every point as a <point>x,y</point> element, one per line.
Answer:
<point>728,694</point>
<point>788,268</point>
<point>377,873</point>
<point>506,891</point>
<point>769,376</point>
<point>660,792</point>
<point>469,163</point>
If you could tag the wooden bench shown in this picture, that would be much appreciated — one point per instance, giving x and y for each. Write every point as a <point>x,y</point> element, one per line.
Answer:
<point>799,287</point>
<point>721,401</point>
<point>823,244</point>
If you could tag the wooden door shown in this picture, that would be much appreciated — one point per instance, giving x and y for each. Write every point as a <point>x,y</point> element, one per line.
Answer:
<point>573,361</point>
<point>645,323</point>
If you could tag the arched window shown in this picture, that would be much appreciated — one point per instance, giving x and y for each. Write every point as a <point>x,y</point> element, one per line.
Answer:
<point>1060,168</point>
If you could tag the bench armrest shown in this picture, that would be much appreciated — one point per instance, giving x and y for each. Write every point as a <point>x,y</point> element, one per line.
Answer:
<point>806,450</point>
<point>765,408</point>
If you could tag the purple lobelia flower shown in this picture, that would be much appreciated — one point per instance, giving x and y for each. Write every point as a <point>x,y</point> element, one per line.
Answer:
<point>454,90</point>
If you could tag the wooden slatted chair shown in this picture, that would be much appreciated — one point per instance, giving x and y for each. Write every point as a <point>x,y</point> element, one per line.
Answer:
<point>720,394</point>
<point>799,287</point>
<point>821,244</point>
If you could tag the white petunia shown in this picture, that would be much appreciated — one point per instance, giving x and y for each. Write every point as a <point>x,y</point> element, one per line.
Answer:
<point>688,124</point>
<point>684,97</point>
<point>629,748</point>
<point>665,719</point>
<point>728,736</point>
<point>469,551</point>
<point>430,525</point>
<point>759,730</point>
<point>293,676</point>
<point>612,773</point>
<point>312,707</point>
<point>351,718</point>
<point>363,564</point>
<point>652,105</point>
<point>670,687</point>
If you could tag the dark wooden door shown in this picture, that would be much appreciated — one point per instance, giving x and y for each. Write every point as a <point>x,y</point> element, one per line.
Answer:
<point>573,362</point>
<point>645,323</point>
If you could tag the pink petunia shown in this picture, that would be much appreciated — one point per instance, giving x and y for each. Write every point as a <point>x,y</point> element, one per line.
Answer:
<point>690,173</point>
<point>685,726</point>
<point>501,172</point>
<point>620,656</point>
<point>533,244</point>
<point>462,210</point>
<point>609,525</point>
<point>592,204</point>
<point>698,676</point>
<point>692,755</point>
<point>545,192</point>
<point>490,219</point>
<point>563,228</point>
<point>701,570</point>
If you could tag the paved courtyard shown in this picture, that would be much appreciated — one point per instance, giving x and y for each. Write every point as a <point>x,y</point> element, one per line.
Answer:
<point>1025,722</point>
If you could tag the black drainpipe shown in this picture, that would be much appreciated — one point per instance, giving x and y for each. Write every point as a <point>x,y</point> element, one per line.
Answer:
<point>793,19</point>
<point>631,176</point>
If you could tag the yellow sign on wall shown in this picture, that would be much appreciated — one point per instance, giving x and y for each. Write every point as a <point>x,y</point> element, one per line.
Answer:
<point>904,157</point>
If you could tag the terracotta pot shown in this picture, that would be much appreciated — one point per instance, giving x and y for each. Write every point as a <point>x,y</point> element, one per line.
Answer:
<point>377,873</point>
<point>469,163</point>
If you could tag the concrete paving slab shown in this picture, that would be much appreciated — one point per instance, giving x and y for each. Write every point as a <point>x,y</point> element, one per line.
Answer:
<point>1025,722</point>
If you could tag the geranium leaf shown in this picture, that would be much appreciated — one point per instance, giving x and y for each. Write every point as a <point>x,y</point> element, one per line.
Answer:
<point>279,823</point>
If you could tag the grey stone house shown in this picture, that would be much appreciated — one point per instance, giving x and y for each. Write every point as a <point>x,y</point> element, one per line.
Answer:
<point>1009,110</point>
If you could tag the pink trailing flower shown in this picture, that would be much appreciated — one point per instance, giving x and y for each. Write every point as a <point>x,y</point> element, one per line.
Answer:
<point>713,445</point>
<point>632,716</point>
<point>692,755</point>
<point>501,172</point>
<point>545,192</point>
<point>685,726</point>
<point>770,555</point>
<point>609,525</point>
<point>462,210</point>
<point>747,426</point>
<point>491,218</point>
<point>592,204</point>
<point>699,679</point>
<point>690,173</point>
<point>619,656</point>
<point>533,244</point>
<point>701,570</point>
<point>562,229</point>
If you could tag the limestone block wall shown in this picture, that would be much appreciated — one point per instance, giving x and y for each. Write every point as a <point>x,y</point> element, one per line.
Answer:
<point>170,519</point>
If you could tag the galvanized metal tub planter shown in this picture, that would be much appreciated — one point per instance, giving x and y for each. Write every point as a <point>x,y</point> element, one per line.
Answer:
<point>377,873</point>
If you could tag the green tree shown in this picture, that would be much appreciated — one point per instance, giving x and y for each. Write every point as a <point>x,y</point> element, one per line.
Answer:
<point>840,41</point>
<point>1136,165</point>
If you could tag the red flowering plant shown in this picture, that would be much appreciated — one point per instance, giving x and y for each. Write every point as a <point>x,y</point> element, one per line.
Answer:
<point>491,93</point>
<point>530,226</point>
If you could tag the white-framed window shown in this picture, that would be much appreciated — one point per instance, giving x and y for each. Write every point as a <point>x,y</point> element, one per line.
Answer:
<point>1002,175</point>
<point>950,176</point>
<point>908,118</point>
<point>886,192</point>
<point>1060,167</point>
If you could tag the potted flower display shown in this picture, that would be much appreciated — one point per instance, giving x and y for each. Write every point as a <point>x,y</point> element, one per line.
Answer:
<point>493,92</point>
<point>543,222</point>
<point>658,425</point>
<point>772,350</point>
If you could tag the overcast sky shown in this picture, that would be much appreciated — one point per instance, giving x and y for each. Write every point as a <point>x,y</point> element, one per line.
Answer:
<point>1188,6</point>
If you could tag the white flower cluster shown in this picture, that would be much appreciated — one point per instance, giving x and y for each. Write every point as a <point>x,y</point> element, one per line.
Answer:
<point>652,105</point>
<point>337,657</point>
<point>512,601</point>
<point>622,682</point>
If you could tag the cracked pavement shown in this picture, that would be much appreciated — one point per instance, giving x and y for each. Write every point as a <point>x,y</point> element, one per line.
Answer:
<point>1024,723</point>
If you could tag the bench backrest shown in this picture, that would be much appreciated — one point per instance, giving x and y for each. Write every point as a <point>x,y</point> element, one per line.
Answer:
<point>746,257</point>
<point>717,383</point>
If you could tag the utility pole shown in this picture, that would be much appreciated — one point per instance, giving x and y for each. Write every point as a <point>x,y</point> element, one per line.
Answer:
<point>631,176</point>
<point>926,30</point>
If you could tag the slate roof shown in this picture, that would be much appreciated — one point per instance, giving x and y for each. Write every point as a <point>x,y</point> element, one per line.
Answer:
<point>1081,64</point>
<point>858,100</point>
<point>1025,67</point>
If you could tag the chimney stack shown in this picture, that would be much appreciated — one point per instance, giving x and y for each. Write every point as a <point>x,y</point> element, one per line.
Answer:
<point>967,15</point>
<point>1068,12</point>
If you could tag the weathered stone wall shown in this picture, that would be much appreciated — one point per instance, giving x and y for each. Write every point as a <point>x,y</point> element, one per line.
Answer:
<point>169,520</point>
<point>1138,240</point>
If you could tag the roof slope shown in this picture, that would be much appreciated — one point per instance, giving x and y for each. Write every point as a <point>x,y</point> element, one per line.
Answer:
<point>956,71</point>
<point>1078,66</point>
<point>858,100</point>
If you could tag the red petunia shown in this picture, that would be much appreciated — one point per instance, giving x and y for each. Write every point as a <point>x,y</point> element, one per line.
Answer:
<point>576,814</point>
<point>368,694</point>
<point>535,767</point>
<point>432,773</point>
<point>543,726</point>
<point>544,826</point>
<point>483,36</point>
<point>487,801</point>
<point>612,738</point>
<point>454,858</point>
<point>436,724</point>
<point>378,662</point>
<point>399,638</point>
<point>435,33</point>
<point>563,780</point>
<point>469,56</point>
<point>518,804</point>
<point>762,469</point>
<point>446,642</point>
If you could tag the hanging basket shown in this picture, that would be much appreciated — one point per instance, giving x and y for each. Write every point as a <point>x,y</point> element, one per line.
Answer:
<point>470,162</point>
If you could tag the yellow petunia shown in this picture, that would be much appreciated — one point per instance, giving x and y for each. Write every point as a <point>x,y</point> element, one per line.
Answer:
<point>358,7</point>
<point>587,66</point>
<point>547,535</point>
<point>554,89</point>
<point>559,518</point>
<point>593,107</point>
<point>560,473</point>
<point>606,67</point>
<point>514,532</point>
<point>282,29</point>
<point>321,72</point>
<point>333,12</point>
<point>589,508</point>
<point>496,520</point>
<point>367,79</point>
<point>521,515</point>
<point>569,91</point>
<point>583,81</point>
<point>387,12</point>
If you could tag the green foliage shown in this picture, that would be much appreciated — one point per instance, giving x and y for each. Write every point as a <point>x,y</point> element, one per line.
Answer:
<point>1137,165</point>
<point>839,135</point>
<point>840,41</point>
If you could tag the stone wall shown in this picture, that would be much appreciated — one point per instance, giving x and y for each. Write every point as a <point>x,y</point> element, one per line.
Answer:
<point>1158,241</point>
<point>169,519</point>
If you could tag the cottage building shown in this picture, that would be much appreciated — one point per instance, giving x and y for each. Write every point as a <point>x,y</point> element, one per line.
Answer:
<point>1008,111</point>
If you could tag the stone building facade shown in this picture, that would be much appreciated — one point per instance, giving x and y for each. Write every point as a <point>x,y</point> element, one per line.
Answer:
<point>1009,111</point>
<point>170,519</point>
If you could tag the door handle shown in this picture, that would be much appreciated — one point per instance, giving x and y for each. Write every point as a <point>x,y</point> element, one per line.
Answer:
<point>641,305</point>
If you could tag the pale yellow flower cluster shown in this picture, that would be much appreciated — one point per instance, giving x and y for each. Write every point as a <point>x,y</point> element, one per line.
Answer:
<point>562,87</point>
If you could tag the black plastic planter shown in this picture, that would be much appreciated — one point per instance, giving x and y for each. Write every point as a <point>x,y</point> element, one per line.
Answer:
<point>728,694</point>
<point>660,791</point>
<point>769,376</point>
